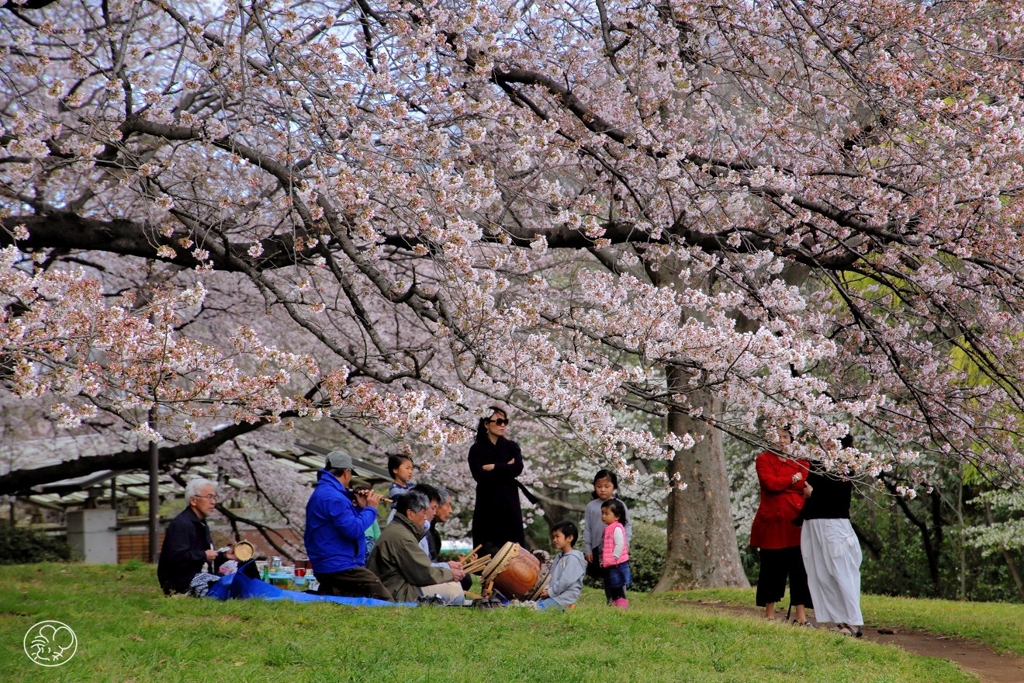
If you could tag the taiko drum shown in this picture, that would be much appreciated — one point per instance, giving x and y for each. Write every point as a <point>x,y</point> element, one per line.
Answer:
<point>516,574</point>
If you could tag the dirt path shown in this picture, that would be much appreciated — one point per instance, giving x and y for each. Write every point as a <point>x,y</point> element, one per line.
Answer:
<point>982,661</point>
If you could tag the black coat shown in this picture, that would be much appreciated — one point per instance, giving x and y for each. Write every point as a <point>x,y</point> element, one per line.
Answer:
<point>184,552</point>
<point>831,495</point>
<point>434,543</point>
<point>498,517</point>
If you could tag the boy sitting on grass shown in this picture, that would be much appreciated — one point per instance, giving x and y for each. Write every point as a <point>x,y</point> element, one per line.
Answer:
<point>567,570</point>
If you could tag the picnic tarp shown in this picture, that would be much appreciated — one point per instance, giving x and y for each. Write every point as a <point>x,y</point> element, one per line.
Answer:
<point>240,586</point>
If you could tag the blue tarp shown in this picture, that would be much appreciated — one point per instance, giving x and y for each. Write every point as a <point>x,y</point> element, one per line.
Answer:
<point>240,586</point>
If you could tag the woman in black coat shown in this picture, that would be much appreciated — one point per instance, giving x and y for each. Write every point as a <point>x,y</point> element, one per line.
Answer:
<point>495,462</point>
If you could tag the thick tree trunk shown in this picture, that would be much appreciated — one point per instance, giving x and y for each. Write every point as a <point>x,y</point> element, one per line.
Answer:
<point>1007,557</point>
<point>702,550</point>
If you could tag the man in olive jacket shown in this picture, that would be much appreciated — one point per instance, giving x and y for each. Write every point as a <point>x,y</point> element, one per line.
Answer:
<point>401,564</point>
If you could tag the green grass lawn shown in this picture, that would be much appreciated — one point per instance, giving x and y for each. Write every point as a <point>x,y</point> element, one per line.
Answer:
<point>997,624</point>
<point>128,631</point>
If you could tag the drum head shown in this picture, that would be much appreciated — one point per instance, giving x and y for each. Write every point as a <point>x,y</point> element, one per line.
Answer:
<point>244,551</point>
<point>500,559</point>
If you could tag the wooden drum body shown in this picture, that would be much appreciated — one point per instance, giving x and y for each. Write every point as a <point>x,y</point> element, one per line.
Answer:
<point>516,574</point>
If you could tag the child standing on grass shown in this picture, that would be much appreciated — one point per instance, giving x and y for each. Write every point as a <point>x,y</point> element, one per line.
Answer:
<point>605,487</point>
<point>400,468</point>
<point>615,553</point>
<point>567,570</point>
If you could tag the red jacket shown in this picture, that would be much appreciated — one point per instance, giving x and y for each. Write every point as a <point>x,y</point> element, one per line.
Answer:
<point>781,502</point>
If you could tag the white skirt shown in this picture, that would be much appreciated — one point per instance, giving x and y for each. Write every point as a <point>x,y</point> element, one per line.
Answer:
<point>832,558</point>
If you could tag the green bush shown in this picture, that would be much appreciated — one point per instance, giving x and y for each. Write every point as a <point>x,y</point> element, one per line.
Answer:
<point>24,546</point>
<point>646,557</point>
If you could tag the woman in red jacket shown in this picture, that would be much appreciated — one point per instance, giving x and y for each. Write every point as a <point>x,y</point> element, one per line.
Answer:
<point>783,489</point>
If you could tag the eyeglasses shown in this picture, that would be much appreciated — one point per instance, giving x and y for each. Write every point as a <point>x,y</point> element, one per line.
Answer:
<point>501,422</point>
<point>209,496</point>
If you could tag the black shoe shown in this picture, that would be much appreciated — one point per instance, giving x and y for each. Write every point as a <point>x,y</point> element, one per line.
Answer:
<point>431,600</point>
<point>487,603</point>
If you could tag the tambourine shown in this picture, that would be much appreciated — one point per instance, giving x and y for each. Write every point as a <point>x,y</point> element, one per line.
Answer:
<point>244,551</point>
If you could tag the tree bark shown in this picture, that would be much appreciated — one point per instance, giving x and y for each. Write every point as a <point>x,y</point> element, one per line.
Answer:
<point>702,550</point>
<point>1007,557</point>
<point>556,506</point>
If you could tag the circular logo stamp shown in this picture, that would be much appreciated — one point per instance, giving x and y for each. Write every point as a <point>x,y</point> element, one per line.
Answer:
<point>50,643</point>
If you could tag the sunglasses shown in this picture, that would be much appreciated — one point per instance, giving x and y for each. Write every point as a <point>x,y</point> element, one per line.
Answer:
<point>501,422</point>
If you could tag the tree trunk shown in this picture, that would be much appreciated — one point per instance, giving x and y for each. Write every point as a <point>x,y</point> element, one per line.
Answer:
<point>1007,557</point>
<point>556,506</point>
<point>702,550</point>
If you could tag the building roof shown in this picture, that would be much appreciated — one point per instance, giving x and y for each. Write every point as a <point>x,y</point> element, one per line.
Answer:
<point>307,459</point>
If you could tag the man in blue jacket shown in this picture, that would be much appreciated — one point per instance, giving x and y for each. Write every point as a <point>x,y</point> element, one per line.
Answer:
<point>336,524</point>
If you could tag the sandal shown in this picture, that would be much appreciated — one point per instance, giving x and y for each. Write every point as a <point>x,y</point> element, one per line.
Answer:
<point>805,624</point>
<point>845,630</point>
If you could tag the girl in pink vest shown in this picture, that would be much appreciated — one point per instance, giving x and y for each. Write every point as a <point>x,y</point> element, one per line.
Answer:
<point>615,553</point>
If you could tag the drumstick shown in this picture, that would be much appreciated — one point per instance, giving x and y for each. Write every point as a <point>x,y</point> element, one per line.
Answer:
<point>470,553</point>
<point>478,560</point>
<point>477,564</point>
<point>469,568</point>
<point>472,567</point>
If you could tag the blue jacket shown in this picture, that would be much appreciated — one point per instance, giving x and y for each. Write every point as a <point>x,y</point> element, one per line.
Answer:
<point>335,528</point>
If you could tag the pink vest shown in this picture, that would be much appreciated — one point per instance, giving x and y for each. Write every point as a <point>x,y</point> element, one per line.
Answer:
<point>608,545</point>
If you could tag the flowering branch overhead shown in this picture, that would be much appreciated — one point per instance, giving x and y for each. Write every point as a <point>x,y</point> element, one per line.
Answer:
<point>809,210</point>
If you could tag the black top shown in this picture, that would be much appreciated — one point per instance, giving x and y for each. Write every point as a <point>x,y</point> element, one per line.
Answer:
<point>831,496</point>
<point>184,552</point>
<point>434,543</point>
<point>497,517</point>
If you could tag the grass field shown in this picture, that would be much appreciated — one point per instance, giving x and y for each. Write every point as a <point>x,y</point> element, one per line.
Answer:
<point>999,625</point>
<point>128,631</point>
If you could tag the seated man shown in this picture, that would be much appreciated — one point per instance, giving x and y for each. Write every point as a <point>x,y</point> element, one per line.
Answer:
<point>402,565</point>
<point>432,539</point>
<point>187,543</point>
<point>434,497</point>
<point>336,523</point>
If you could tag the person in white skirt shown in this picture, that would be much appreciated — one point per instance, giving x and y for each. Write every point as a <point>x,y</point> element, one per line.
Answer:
<point>831,551</point>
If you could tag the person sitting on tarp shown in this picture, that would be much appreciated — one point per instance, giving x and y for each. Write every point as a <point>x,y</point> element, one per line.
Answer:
<point>432,539</point>
<point>188,545</point>
<point>403,566</point>
<point>336,523</point>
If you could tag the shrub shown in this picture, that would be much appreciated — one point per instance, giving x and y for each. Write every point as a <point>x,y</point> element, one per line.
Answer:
<point>646,557</point>
<point>24,546</point>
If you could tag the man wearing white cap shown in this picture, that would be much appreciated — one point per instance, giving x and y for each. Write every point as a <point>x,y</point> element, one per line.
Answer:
<point>336,524</point>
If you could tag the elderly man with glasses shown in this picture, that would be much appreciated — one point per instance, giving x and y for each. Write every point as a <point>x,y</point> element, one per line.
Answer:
<point>404,567</point>
<point>188,545</point>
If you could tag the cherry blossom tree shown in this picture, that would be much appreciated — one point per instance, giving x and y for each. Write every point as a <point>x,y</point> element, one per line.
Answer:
<point>720,215</point>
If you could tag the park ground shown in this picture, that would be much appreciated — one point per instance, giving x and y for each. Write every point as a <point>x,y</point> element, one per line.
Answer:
<point>127,631</point>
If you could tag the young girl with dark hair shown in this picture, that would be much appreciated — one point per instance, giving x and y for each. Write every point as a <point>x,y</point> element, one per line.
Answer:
<point>615,553</point>
<point>606,485</point>
<point>401,469</point>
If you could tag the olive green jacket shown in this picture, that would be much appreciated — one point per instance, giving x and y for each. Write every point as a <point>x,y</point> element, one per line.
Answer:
<point>400,563</point>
